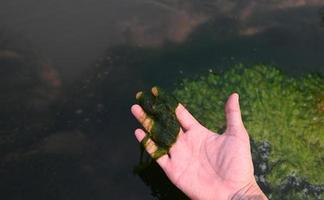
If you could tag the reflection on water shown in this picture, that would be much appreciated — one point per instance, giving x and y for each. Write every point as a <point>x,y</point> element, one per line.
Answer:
<point>321,13</point>
<point>66,130</point>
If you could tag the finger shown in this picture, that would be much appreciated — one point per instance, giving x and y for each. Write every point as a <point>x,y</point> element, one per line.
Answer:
<point>233,113</point>
<point>185,118</point>
<point>151,147</point>
<point>180,138</point>
<point>142,117</point>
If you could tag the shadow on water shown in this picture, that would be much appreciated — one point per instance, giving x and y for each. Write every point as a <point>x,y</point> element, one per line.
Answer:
<point>75,141</point>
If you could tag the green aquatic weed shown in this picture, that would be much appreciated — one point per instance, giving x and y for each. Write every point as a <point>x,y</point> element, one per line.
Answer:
<point>285,111</point>
<point>163,126</point>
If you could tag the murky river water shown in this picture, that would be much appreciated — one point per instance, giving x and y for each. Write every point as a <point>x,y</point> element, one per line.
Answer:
<point>70,69</point>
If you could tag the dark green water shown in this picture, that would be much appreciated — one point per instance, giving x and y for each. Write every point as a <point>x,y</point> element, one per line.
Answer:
<point>70,70</point>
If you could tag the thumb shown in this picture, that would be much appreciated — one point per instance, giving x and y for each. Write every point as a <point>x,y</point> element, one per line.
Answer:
<point>233,114</point>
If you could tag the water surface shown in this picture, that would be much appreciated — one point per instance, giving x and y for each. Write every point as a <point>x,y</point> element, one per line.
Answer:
<point>70,69</point>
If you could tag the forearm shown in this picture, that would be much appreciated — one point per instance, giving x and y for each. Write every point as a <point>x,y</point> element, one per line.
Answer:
<point>250,192</point>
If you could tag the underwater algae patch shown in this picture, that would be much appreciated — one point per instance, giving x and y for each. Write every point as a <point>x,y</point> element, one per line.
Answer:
<point>283,115</point>
<point>287,112</point>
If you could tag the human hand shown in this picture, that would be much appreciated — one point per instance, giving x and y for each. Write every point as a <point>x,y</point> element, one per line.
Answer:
<point>206,165</point>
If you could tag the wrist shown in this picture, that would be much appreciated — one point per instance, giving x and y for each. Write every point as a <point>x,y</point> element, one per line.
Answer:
<point>249,192</point>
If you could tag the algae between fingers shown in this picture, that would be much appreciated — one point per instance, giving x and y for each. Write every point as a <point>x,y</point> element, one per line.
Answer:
<point>160,120</point>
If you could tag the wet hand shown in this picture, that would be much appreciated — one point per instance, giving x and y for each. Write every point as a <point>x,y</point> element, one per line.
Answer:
<point>207,165</point>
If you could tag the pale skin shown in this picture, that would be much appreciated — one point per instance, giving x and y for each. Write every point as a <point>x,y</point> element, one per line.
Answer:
<point>206,165</point>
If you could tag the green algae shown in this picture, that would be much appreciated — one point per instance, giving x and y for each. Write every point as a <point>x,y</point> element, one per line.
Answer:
<point>164,127</point>
<point>285,111</point>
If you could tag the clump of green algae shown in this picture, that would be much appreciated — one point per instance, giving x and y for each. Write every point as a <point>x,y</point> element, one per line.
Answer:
<point>285,111</point>
<point>163,126</point>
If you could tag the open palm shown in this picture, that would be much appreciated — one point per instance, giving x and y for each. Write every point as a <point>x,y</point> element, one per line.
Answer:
<point>204,164</point>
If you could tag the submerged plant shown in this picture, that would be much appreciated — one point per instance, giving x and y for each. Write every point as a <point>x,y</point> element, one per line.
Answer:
<point>284,111</point>
<point>283,115</point>
<point>290,187</point>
